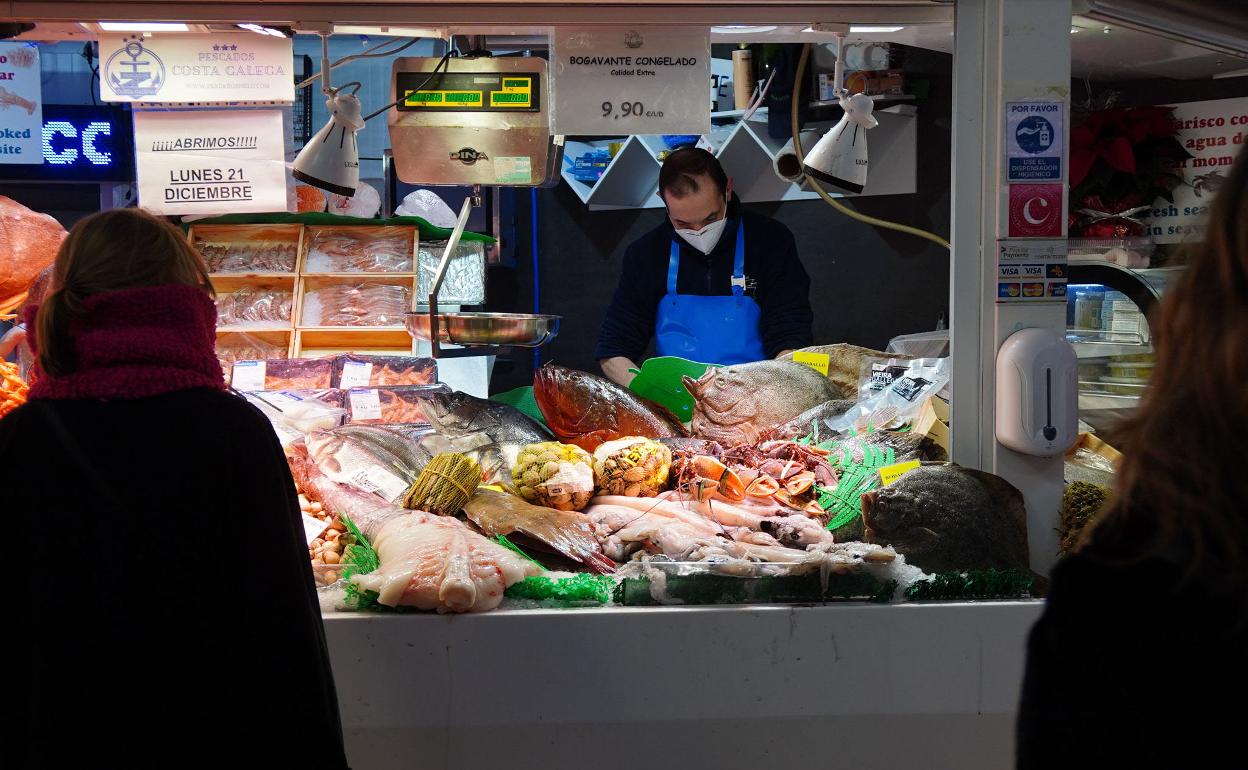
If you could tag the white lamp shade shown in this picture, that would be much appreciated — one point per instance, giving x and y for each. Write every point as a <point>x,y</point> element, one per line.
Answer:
<point>840,157</point>
<point>330,160</point>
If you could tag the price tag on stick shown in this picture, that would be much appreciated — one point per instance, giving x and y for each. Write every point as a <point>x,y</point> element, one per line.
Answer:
<point>631,80</point>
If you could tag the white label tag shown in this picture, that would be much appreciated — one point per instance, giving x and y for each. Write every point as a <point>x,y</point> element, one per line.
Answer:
<point>248,375</point>
<point>313,527</point>
<point>380,482</point>
<point>356,374</point>
<point>365,405</point>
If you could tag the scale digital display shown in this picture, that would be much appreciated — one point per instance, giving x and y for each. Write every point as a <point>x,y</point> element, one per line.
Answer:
<point>469,92</point>
<point>81,143</point>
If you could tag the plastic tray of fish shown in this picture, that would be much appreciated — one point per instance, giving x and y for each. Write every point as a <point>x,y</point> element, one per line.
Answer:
<point>739,582</point>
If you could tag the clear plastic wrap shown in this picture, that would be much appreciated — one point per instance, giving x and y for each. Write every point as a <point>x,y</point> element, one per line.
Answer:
<point>295,413</point>
<point>900,402</point>
<point>240,346</point>
<point>354,370</point>
<point>398,405</point>
<point>362,304</point>
<point>255,306</point>
<point>248,251</point>
<point>360,250</point>
<point>465,275</point>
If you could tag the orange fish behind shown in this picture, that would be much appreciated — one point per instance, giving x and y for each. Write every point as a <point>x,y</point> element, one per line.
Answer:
<point>28,243</point>
<point>586,410</point>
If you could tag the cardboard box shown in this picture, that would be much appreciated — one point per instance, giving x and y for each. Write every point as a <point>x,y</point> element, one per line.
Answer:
<point>933,421</point>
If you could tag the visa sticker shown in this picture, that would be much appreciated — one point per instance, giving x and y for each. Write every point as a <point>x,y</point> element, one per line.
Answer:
<point>890,473</point>
<point>817,361</point>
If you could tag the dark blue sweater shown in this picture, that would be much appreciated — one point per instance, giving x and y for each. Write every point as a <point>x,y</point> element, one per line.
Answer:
<point>783,288</point>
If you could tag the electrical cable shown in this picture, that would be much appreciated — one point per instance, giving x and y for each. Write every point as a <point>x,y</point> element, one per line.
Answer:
<point>818,187</point>
<point>370,53</point>
<point>446,58</point>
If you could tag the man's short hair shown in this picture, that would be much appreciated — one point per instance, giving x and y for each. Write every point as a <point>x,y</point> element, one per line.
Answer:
<point>682,172</point>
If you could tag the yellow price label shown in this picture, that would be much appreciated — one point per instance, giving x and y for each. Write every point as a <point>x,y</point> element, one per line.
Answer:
<point>890,473</point>
<point>817,361</point>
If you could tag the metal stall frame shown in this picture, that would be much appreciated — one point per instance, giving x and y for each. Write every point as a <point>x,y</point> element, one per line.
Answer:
<point>931,686</point>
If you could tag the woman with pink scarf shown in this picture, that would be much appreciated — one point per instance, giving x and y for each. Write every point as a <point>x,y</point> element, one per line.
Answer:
<point>161,605</point>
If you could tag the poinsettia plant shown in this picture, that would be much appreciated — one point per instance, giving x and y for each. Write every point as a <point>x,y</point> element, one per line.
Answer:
<point>1121,161</point>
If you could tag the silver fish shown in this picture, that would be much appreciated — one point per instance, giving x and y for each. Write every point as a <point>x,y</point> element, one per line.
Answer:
<point>486,431</point>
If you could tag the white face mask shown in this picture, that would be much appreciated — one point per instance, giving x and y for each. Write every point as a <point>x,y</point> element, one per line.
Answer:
<point>704,240</point>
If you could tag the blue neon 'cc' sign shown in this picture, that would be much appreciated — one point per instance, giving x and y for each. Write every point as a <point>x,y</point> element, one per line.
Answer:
<point>81,143</point>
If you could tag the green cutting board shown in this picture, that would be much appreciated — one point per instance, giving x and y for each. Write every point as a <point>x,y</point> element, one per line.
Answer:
<point>659,380</point>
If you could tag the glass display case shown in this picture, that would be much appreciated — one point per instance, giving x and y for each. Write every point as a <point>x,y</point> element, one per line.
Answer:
<point>1107,320</point>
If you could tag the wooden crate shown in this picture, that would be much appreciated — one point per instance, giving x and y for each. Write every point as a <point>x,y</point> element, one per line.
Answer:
<point>282,340</point>
<point>228,283</point>
<point>310,266</point>
<point>311,283</point>
<point>290,233</point>
<point>315,342</point>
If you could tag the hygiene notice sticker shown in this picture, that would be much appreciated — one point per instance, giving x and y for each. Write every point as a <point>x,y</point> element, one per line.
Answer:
<point>210,162</point>
<point>513,170</point>
<point>614,81</point>
<point>1034,136</point>
<point>1029,271</point>
<point>817,361</point>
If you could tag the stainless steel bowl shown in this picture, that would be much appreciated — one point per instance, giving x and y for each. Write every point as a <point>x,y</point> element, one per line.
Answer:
<point>519,329</point>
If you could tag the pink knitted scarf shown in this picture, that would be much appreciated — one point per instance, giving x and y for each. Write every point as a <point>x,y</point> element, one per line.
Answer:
<point>136,343</point>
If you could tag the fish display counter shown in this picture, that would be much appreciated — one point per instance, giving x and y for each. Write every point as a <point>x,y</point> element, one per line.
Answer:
<point>797,565</point>
<point>789,485</point>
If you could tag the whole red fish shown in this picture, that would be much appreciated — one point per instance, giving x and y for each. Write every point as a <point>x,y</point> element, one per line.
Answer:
<point>586,410</point>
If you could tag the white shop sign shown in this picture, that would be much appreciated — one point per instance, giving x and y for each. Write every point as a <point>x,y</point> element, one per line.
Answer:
<point>21,104</point>
<point>631,80</point>
<point>182,68</point>
<point>1213,132</point>
<point>210,162</point>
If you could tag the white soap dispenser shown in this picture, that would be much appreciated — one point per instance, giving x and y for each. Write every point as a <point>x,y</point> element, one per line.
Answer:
<point>1037,393</point>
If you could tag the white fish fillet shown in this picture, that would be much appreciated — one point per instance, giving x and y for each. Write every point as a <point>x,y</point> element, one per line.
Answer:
<point>436,563</point>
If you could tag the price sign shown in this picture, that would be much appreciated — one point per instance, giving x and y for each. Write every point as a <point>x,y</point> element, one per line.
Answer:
<point>248,376</point>
<point>365,405</point>
<point>211,162</point>
<point>356,374</point>
<point>640,80</point>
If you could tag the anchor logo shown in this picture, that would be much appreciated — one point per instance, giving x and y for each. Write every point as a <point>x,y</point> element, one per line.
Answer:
<point>135,71</point>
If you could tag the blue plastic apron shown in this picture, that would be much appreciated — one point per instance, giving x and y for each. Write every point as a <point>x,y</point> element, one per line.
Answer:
<point>711,330</point>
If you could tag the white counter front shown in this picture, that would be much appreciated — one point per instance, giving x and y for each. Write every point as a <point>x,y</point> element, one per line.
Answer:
<point>925,686</point>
